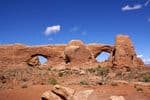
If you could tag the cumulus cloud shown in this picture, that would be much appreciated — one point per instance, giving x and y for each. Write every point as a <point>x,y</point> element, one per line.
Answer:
<point>139,56</point>
<point>145,60</point>
<point>52,29</point>
<point>128,8</point>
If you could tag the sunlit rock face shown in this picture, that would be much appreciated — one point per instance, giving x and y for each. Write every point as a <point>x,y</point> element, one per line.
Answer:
<point>75,53</point>
<point>124,53</point>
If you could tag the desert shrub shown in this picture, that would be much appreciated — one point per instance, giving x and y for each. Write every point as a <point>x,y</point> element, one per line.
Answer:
<point>60,74</point>
<point>128,69</point>
<point>114,84</point>
<point>50,68</point>
<point>104,80</point>
<point>25,79</point>
<point>99,70</point>
<point>52,81</point>
<point>84,82</point>
<point>119,74</point>
<point>92,70</point>
<point>130,77</point>
<point>146,78</point>
<point>139,89</point>
<point>102,71</point>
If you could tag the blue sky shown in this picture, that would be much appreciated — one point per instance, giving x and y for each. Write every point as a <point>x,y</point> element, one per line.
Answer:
<point>37,22</point>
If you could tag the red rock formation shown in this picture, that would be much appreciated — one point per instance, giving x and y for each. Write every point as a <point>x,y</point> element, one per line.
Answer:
<point>124,54</point>
<point>76,53</point>
<point>33,61</point>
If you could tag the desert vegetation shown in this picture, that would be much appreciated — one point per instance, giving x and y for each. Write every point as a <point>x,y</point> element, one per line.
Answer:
<point>104,75</point>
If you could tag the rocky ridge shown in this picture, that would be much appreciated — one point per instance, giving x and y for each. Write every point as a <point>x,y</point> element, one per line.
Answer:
<point>73,54</point>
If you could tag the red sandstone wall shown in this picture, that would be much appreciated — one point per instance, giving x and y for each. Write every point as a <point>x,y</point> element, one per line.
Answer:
<point>76,53</point>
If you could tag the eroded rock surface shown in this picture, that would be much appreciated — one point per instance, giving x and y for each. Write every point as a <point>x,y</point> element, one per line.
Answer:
<point>66,93</point>
<point>124,54</point>
<point>75,53</point>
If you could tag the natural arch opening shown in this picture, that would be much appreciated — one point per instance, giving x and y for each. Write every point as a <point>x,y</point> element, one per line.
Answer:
<point>42,59</point>
<point>37,60</point>
<point>103,57</point>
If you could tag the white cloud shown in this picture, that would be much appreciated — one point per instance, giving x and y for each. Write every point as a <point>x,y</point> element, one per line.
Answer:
<point>146,61</point>
<point>139,56</point>
<point>52,29</point>
<point>147,2</point>
<point>135,7</point>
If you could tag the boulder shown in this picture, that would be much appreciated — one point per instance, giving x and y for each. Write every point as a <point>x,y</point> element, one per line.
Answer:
<point>76,43</point>
<point>117,98</point>
<point>76,51</point>
<point>34,61</point>
<point>64,92</point>
<point>48,95</point>
<point>86,95</point>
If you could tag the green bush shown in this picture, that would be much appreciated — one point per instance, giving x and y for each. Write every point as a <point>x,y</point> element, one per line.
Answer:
<point>60,74</point>
<point>92,70</point>
<point>52,81</point>
<point>119,74</point>
<point>146,78</point>
<point>103,71</point>
<point>83,82</point>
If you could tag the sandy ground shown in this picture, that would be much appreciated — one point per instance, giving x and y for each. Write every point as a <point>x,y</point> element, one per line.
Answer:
<point>104,91</point>
<point>37,81</point>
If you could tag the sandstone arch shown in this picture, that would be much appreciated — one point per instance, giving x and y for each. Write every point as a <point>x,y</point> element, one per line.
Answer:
<point>34,60</point>
<point>96,49</point>
<point>103,56</point>
<point>76,53</point>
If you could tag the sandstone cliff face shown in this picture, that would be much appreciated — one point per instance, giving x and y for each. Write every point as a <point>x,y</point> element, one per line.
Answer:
<point>124,54</point>
<point>75,53</point>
